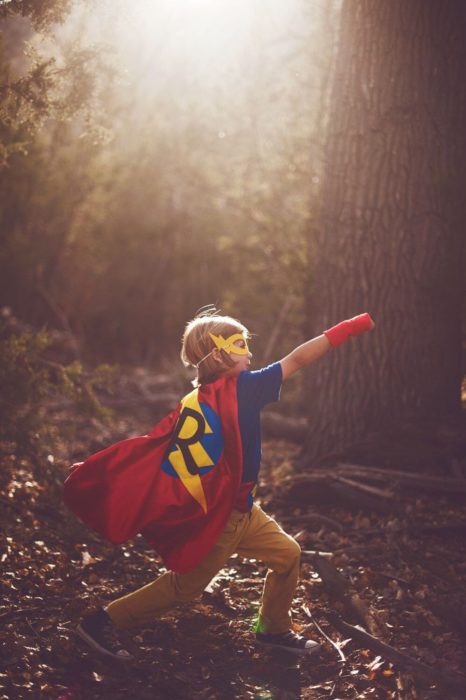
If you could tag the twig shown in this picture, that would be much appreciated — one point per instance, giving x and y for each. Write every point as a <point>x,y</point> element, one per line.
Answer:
<point>372,490</point>
<point>308,554</point>
<point>314,622</point>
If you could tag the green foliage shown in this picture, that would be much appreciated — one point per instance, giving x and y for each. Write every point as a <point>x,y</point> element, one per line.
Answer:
<point>24,104</point>
<point>30,382</point>
<point>44,83</point>
<point>127,203</point>
<point>42,13</point>
<point>25,382</point>
<point>81,386</point>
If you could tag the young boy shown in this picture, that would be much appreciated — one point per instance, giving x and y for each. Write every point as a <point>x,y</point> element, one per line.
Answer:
<point>206,456</point>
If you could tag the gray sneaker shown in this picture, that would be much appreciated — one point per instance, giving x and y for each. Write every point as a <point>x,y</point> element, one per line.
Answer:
<point>100,633</point>
<point>288,641</point>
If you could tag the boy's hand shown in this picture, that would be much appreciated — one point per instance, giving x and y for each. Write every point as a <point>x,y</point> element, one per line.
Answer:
<point>354,326</point>
<point>313,349</point>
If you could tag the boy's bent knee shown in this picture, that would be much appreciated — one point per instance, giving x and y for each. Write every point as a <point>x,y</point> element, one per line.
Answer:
<point>288,557</point>
<point>292,554</point>
<point>294,549</point>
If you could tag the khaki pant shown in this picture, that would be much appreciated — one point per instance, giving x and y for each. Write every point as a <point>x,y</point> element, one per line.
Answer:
<point>254,535</point>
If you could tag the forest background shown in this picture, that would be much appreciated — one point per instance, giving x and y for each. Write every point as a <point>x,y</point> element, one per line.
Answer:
<point>294,167</point>
<point>157,157</point>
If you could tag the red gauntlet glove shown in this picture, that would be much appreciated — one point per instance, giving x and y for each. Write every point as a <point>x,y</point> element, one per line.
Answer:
<point>354,326</point>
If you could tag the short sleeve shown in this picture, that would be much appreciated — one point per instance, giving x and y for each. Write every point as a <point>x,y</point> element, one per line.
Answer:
<point>262,386</point>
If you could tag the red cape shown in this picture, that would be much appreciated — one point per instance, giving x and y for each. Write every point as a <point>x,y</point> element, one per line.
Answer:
<point>176,486</point>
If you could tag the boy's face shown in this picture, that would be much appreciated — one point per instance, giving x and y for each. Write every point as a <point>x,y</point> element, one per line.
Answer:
<point>242,360</point>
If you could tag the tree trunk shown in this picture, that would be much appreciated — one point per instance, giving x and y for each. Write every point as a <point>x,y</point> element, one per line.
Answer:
<point>391,234</point>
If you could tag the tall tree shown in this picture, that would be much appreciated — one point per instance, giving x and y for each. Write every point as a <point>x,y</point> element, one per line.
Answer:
<point>393,212</point>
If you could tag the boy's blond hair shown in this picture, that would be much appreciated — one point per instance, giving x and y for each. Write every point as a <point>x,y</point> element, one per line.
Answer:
<point>197,343</point>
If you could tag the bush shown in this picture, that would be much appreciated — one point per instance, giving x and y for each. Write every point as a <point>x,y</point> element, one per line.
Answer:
<point>29,380</point>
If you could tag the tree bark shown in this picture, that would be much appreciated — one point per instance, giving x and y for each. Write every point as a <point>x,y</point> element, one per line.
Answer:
<point>391,236</point>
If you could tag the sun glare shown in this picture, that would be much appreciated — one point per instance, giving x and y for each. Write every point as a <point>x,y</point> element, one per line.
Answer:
<point>204,37</point>
<point>170,46</point>
<point>200,32</point>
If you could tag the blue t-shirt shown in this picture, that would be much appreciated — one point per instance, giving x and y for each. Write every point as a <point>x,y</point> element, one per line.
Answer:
<point>254,391</point>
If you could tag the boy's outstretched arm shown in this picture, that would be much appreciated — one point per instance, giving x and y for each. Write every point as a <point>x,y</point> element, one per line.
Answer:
<point>313,349</point>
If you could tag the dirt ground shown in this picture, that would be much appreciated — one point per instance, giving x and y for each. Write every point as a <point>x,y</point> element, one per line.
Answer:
<point>409,580</point>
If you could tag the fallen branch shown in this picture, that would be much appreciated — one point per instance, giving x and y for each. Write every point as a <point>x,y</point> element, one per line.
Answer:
<point>357,473</point>
<point>320,487</point>
<point>386,494</point>
<point>339,587</point>
<point>336,584</point>
<point>313,518</point>
<point>409,479</point>
<point>334,644</point>
<point>453,682</point>
<point>365,549</point>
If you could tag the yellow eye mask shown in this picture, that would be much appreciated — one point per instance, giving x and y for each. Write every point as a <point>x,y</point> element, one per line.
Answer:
<point>229,344</point>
